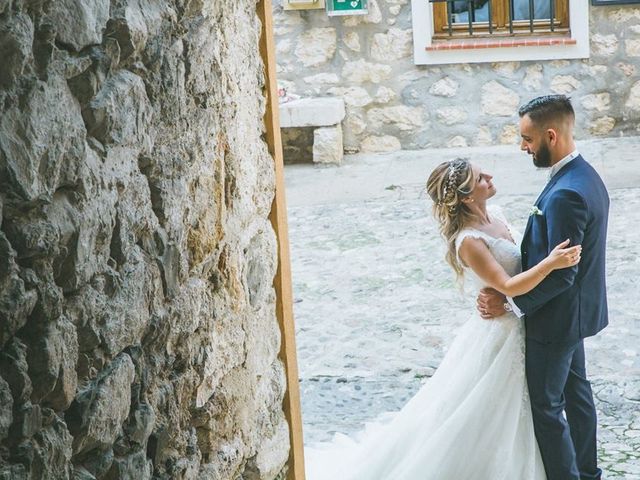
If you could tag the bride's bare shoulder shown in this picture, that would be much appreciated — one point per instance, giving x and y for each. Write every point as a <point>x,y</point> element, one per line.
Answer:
<point>471,244</point>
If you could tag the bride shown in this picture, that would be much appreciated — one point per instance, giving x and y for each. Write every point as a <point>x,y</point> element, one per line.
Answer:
<point>472,419</point>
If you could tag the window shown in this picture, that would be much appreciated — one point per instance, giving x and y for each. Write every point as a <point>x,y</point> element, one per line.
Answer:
<point>484,18</point>
<point>474,31</point>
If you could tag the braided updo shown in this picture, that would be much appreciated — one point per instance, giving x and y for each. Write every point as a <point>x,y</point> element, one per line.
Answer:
<point>448,184</point>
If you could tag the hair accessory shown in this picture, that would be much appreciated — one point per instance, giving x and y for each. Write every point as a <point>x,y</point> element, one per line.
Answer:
<point>452,180</point>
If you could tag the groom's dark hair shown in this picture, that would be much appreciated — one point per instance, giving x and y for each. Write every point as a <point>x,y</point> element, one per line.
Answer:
<point>548,109</point>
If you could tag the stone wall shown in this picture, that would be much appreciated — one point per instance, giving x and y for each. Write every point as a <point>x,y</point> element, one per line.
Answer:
<point>138,336</point>
<point>394,104</point>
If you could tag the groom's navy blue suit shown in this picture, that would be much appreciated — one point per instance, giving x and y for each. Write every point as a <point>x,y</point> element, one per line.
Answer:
<point>567,306</point>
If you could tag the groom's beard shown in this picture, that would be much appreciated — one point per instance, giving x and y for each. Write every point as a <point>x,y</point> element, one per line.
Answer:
<point>542,158</point>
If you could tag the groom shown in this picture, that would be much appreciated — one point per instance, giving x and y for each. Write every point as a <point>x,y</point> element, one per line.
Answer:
<point>569,304</point>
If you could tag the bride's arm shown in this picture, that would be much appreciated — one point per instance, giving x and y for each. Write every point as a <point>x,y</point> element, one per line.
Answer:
<point>476,255</point>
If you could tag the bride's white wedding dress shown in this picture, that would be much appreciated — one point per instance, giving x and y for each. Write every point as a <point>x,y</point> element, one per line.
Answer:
<point>470,421</point>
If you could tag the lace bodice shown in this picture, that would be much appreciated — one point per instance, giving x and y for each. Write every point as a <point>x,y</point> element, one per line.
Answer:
<point>504,251</point>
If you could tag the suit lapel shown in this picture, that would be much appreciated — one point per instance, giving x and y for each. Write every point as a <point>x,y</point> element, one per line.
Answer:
<point>546,188</point>
<point>571,165</point>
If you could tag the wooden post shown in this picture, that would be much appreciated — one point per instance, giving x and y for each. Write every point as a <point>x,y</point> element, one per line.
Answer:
<point>282,280</point>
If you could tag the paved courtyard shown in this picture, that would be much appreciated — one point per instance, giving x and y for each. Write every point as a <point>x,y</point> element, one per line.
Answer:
<point>376,305</point>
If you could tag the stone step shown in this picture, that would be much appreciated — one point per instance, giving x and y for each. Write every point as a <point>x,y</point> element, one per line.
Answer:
<point>312,112</point>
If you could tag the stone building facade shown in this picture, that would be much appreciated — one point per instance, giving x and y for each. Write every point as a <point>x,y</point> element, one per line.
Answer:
<point>138,336</point>
<point>394,104</point>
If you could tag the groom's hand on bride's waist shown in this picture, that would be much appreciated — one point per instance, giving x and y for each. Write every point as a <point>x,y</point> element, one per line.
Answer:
<point>490,303</point>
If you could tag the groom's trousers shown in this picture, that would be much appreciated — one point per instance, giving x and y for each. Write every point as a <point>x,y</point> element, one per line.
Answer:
<point>557,380</point>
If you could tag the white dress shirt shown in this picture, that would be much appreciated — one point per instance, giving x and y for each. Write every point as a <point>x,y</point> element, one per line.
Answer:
<point>555,168</point>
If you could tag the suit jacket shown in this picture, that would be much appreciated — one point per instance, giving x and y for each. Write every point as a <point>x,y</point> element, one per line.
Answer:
<point>571,303</point>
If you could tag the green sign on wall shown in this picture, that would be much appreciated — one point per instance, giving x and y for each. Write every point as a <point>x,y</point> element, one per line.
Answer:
<point>346,7</point>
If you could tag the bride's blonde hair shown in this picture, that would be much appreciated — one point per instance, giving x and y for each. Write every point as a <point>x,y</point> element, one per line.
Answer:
<point>449,183</point>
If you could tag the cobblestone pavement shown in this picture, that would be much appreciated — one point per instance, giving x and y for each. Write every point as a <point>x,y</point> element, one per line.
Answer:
<point>376,306</point>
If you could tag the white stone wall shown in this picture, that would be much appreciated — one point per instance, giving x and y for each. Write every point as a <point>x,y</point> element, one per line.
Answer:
<point>393,104</point>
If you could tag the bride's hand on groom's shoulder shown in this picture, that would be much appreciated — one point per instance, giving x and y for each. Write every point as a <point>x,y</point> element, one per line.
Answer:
<point>490,303</point>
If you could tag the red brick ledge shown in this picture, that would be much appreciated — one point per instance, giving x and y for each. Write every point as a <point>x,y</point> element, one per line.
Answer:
<point>499,43</point>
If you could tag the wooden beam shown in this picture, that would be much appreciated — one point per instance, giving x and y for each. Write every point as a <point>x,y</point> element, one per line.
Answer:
<point>282,280</point>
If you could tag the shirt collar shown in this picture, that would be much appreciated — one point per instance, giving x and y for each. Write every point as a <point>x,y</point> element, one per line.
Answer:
<point>558,166</point>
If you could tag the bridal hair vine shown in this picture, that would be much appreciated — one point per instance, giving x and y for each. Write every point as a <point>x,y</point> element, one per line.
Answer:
<point>451,184</point>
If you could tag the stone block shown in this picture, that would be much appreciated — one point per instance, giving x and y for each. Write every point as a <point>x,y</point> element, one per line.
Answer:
<point>16,303</point>
<point>273,452</point>
<point>132,467</point>
<point>141,423</point>
<point>96,416</point>
<point>327,145</point>
<point>15,49</point>
<point>602,126</point>
<point>27,421</point>
<point>393,45</point>
<point>362,71</point>
<point>316,46</point>
<point>597,101</point>
<point>498,100</point>
<point>14,368</point>
<point>633,100</point>
<point>402,117</point>
<point>52,356</point>
<point>80,22</point>
<point>564,84</point>
<point>120,113</point>
<point>380,144</point>
<point>312,112</point>
<point>6,407</point>
<point>52,449</point>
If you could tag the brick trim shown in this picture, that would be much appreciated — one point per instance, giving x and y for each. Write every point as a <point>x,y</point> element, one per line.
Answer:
<point>498,43</point>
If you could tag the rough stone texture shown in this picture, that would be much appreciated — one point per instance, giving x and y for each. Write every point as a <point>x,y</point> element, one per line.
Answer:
<point>509,135</point>
<point>403,118</point>
<point>322,78</point>
<point>327,145</point>
<point>602,126</point>
<point>393,45</point>
<point>6,409</point>
<point>385,143</point>
<point>310,112</point>
<point>564,84</point>
<point>597,101</point>
<point>361,72</point>
<point>374,51</point>
<point>138,336</point>
<point>633,99</point>
<point>352,96</point>
<point>79,23</point>
<point>483,136</point>
<point>451,115</point>
<point>533,78</point>
<point>316,46</point>
<point>604,45</point>
<point>498,100</point>
<point>632,47</point>
<point>457,141</point>
<point>352,41</point>
<point>446,87</point>
<point>96,418</point>
<point>384,95</point>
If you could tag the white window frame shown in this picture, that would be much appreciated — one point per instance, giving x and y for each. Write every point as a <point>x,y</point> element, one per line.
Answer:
<point>422,20</point>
